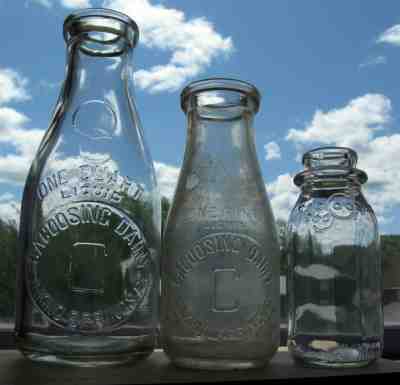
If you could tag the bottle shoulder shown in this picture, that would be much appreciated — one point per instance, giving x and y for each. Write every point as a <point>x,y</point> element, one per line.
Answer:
<point>337,217</point>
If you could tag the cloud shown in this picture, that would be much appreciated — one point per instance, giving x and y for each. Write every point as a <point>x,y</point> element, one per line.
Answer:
<point>76,3</point>
<point>193,43</point>
<point>380,159</point>
<point>272,151</point>
<point>283,195</point>
<point>391,36</point>
<point>9,209</point>
<point>13,132</point>
<point>14,166</point>
<point>12,86</point>
<point>373,61</point>
<point>352,125</point>
<point>167,178</point>
<point>65,3</point>
<point>360,125</point>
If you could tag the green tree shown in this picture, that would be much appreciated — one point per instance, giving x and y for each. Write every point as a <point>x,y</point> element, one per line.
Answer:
<point>8,247</point>
<point>165,206</point>
<point>281,226</point>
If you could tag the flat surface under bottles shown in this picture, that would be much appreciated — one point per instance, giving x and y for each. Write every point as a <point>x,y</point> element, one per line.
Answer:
<point>14,369</point>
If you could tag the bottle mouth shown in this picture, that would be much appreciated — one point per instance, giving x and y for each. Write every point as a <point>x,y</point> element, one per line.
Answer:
<point>330,163</point>
<point>220,93</point>
<point>104,32</point>
<point>330,157</point>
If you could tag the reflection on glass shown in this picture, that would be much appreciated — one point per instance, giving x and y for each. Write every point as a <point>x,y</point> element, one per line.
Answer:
<point>88,275</point>
<point>334,275</point>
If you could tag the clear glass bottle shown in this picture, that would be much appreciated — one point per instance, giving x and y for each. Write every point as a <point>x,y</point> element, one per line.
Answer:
<point>335,272</point>
<point>220,262</point>
<point>88,275</point>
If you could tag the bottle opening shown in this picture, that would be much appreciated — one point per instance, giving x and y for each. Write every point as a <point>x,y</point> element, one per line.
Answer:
<point>330,164</point>
<point>330,157</point>
<point>219,96</point>
<point>103,32</point>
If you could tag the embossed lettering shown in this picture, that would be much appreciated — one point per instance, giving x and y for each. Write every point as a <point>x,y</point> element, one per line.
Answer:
<point>246,259</point>
<point>73,218</point>
<point>85,262</point>
<point>93,180</point>
<point>62,220</point>
<point>51,183</point>
<point>224,299</point>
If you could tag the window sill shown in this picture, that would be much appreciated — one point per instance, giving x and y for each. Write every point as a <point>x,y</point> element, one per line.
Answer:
<point>15,370</point>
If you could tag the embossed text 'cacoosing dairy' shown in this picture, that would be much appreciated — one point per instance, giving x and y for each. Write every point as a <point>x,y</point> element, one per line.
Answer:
<point>220,262</point>
<point>88,275</point>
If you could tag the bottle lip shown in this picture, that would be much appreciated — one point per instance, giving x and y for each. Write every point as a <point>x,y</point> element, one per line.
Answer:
<point>324,173</point>
<point>95,19</point>
<point>330,162</point>
<point>345,155</point>
<point>220,84</point>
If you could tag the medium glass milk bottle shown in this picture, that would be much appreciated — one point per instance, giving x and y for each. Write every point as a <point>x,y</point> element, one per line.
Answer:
<point>88,276</point>
<point>335,266</point>
<point>220,262</point>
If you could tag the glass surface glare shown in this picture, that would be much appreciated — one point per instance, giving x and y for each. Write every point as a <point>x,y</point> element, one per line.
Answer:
<point>88,275</point>
<point>335,266</point>
<point>220,262</point>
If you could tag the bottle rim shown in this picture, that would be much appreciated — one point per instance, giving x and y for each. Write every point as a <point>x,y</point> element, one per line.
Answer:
<point>330,162</point>
<point>220,84</point>
<point>336,173</point>
<point>94,20</point>
<point>326,152</point>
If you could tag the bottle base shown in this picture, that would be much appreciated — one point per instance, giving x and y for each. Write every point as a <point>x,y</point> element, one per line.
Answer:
<point>332,354</point>
<point>85,351</point>
<point>85,361</point>
<point>204,353</point>
<point>312,363</point>
<point>216,364</point>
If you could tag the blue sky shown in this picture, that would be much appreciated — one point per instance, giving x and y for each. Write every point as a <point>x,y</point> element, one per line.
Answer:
<point>327,72</point>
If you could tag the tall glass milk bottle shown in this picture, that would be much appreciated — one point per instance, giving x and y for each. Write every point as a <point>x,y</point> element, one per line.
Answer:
<point>220,261</point>
<point>88,275</point>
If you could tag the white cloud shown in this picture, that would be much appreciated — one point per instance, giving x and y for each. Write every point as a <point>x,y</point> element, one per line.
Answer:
<point>12,86</point>
<point>167,178</point>
<point>391,35</point>
<point>380,159</point>
<point>193,43</point>
<point>283,195</point>
<point>9,209</point>
<point>64,3</point>
<point>352,125</point>
<point>272,151</point>
<point>14,165</point>
<point>76,3</point>
<point>6,197</point>
<point>373,61</point>
<point>357,125</point>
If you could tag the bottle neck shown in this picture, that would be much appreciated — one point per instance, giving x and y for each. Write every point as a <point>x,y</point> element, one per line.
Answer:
<point>316,182</point>
<point>95,77</point>
<point>222,133</point>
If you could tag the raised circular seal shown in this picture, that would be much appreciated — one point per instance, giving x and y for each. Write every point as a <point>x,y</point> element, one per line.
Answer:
<point>88,268</point>
<point>221,288</point>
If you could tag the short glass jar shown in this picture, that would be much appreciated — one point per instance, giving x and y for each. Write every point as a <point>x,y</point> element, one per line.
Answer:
<point>334,278</point>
